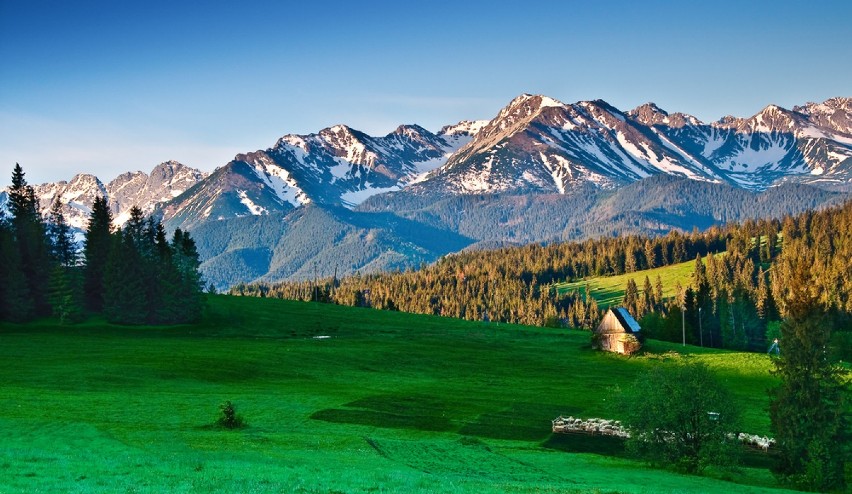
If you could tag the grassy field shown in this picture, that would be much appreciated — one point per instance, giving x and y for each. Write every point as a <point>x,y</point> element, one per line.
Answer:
<point>609,290</point>
<point>389,402</point>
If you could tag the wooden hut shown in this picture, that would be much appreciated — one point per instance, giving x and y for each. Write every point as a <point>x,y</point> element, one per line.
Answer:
<point>618,332</point>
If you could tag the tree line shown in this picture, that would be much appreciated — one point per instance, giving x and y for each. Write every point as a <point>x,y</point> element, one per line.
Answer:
<point>735,298</point>
<point>512,284</point>
<point>130,275</point>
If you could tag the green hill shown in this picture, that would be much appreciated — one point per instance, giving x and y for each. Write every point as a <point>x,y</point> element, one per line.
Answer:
<point>609,290</point>
<point>336,399</point>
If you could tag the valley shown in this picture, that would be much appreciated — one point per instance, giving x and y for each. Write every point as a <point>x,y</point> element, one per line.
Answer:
<point>388,402</point>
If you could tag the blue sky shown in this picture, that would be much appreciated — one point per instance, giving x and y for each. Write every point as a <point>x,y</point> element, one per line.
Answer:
<point>105,87</point>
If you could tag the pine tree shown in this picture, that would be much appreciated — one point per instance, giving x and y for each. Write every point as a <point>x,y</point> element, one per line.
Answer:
<point>191,288</point>
<point>63,247</point>
<point>15,301</point>
<point>658,292</point>
<point>64,295</point>
<point>631,297</point>
<point>125,300</point>
<point>809,412</point>
<point>31,239</point>
<point>166,299</point>
<point>648,301</point>
<point>96,254</point>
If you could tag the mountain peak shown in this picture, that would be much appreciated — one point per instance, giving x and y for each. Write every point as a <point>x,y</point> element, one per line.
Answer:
<point>648,107</point>
<point>828,106</point>
<point>171,164</point>
<point>85,180</point>
<point>412,131</point>
<point>772,111</point>
<point>464,128</point>
<point>338,129</point>
<point>534,102</point>
<point>649,114</point>
<point>833,113</point>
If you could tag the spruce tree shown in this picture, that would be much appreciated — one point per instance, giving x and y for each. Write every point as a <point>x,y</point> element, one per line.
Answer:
<point>15,300</point>
<point>186,261</point>
<point>165,301</point>
<point>96,253</point>
<point>809,410</point>
<point>658,292</point>
<point>63,248</point>
<point>648,300</point>
<point>30,237</point>
<point>64,293</point>
<point>125,300</point>
<point>631,298</point>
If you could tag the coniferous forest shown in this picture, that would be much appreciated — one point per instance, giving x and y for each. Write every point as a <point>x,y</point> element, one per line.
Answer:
<point>130,275</point>
<point>736,297</point>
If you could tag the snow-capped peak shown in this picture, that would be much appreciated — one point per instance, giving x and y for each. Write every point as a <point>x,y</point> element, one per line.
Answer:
<point>465,127</point>
<point>531,103</point>
<point>833,113</point>
<point>413,131</point>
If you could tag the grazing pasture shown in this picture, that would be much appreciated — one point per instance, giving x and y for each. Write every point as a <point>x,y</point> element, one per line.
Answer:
<point>335,399</point>
<point>609,290</point>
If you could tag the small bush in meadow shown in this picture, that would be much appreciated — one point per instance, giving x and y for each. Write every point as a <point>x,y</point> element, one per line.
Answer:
<point>229,418</point>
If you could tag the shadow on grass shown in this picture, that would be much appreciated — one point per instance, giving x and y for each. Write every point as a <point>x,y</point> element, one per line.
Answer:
<point>754,458</point>
<point>520,422</point>
<point>614,446</point>
<point>419,412</point>
<point>375,418</point>
<point>584,443</point>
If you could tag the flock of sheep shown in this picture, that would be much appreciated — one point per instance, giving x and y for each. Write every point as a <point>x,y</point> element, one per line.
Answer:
<point>604,427</point>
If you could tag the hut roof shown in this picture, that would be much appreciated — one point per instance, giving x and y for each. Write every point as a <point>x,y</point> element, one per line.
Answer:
<point>626,320</point>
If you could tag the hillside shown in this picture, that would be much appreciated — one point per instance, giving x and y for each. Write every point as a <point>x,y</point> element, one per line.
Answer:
<point>609,290</point>
<point>388,402</point>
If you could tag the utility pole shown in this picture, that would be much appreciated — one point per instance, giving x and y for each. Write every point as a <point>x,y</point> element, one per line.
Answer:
<point>700,328</point>
<point>683,323</point>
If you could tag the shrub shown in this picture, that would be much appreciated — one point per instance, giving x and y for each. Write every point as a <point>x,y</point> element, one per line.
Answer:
<point>682,417</point>
<point>229,418</point>
<point>631,343</point>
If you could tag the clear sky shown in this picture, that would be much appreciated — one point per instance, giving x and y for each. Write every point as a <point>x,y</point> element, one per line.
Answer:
<point>105,87</point>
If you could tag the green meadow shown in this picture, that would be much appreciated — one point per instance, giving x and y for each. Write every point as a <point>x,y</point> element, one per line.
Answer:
<point>383,402</point>
<point>609,290</point>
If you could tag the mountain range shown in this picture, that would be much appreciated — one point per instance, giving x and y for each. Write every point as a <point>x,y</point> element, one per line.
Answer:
<point>540,170</point>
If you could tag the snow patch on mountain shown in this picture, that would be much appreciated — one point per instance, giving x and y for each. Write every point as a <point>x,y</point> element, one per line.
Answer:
<point>250,205</point>
<point>353,198</point>
<point>467,128</point>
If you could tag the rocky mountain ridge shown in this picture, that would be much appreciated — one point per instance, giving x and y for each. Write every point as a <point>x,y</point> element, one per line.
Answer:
<point>146,190</point>
<point>539,145</point>
<point>535,144</point>
<point>539,171</point>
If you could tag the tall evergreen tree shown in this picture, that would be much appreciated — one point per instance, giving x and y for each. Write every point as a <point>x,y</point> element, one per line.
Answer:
<point>96,253</point>
<point>63,248</point>
<point>15,301</point>
<point>64,292</point>
<point>648,300</point>
<point>809,409</point>
<point>658,292</point>
<point>31,239</point>
<point>125,300</point>
<point>631,299</point>
<point>186,261</point>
